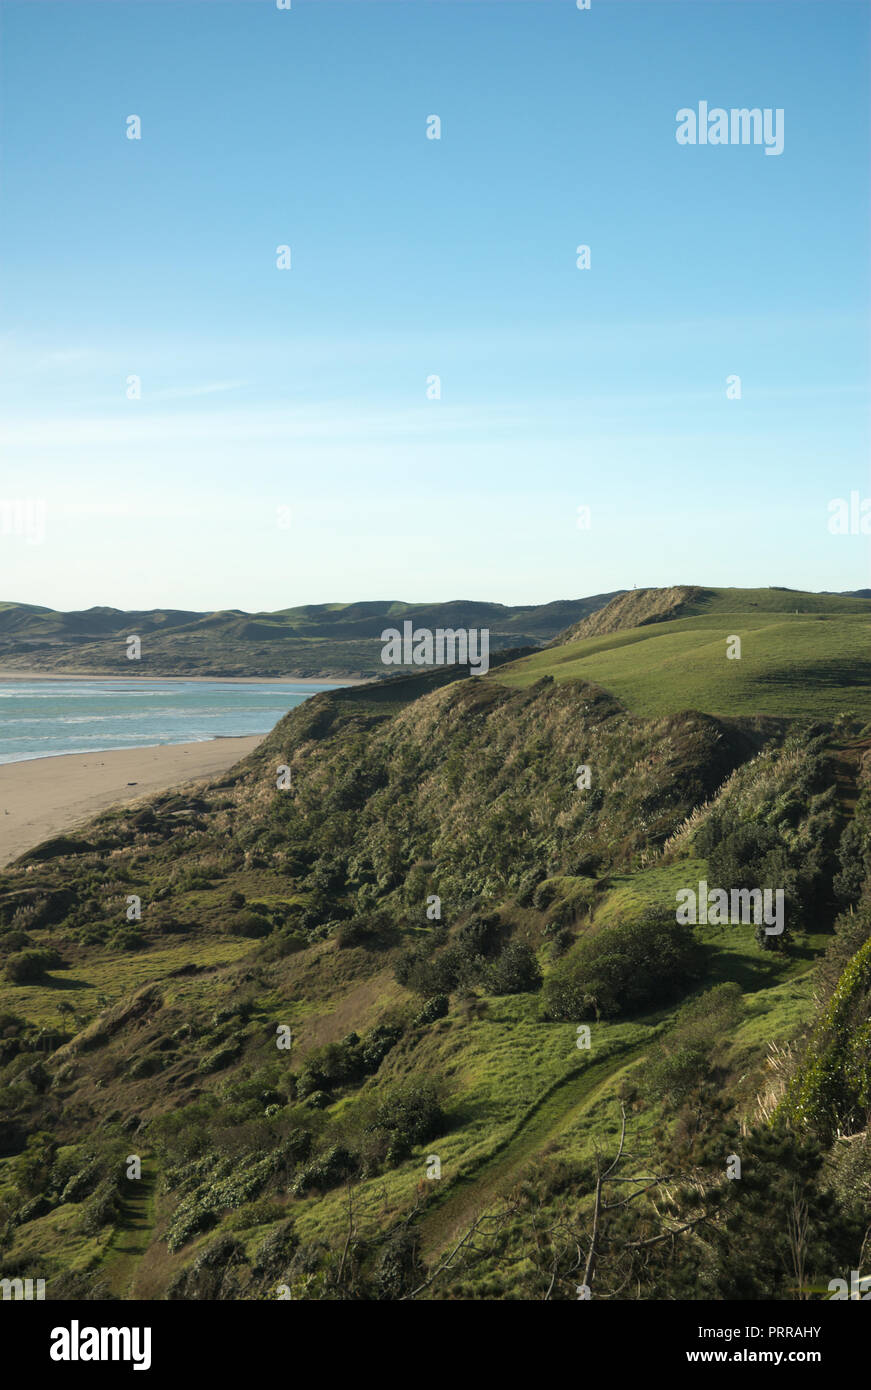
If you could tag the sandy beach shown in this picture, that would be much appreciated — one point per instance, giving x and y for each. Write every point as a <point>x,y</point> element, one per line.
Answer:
<point>47,796</point>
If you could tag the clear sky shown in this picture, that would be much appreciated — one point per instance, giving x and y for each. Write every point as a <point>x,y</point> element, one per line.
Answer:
<point>305,389</point>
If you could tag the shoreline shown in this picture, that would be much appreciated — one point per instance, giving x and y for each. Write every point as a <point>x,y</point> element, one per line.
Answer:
<point>223,680</point>
<point>52,795</point>
<point>137,748</point>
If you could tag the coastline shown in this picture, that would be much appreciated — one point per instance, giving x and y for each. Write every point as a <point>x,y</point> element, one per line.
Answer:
<point>223,680</point>
<point>43,797</point>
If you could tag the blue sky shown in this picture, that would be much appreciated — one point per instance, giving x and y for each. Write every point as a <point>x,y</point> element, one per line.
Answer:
<point>306,389</point>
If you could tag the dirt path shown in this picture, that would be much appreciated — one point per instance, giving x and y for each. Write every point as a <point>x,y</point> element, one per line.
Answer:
<point>134,1231</point>
<point>470,1194</point>
<point>847,761</point>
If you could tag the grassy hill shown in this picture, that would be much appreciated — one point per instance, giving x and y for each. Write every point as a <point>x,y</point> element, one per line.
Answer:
<point>436,1128</point>
<point>660,650</point>
<point>331,639</point>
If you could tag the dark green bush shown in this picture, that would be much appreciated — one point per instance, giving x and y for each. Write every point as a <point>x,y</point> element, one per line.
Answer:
<point>249,924</point>
<point>128,940</point>
<point>411,1113</point>
<point>222,1057</point>
<point>103,1208</point>
<point>374,930</point>
<point>436,1007</point>
<point>623,969</point>
<point>15,940</point>
<point>327,1170</point>
<point>31,965</point>
<point>515,971</point>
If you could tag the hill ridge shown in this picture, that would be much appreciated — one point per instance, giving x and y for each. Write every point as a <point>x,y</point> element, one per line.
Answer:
<point>633,608</point>
<point>314,640</point>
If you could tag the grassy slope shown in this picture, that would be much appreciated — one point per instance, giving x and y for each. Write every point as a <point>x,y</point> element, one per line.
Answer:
<point>801,655</point>
<point>518,1087</point>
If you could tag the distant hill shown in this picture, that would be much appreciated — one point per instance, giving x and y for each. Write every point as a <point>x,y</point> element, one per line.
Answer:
<point>664,650</point>
<point>327,639</point>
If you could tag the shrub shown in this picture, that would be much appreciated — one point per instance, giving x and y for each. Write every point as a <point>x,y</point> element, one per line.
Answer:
<point>560,942</point>
<point>675,1075</point>
<point>213,1275</point>
<point>249,924</point>
<point>83,1183</point>
<point>36,1207</point>
<point>398,1267</point>
<point>479,935</point>
<point>623,969</point>
<point>15,940</point>
<point>435,1007</point>
<point>318,1100</point>
<point>216,1061</point>
<point>327,1170</point>
<point>31,965</point>
<point>200,1209</point>
<point>128,940</point>
<point>428,968</point>
<point>148,1065</point>
<point>226,1250</point>
<point>376,1045</point>
<point>854,855</point>
<point>347,1062</point>
<point>275,1250</point>
<point>831,1091</point>
<point>374,930</point>
<point>411,1114</point>
<point>104,1208</point>
<point>515,971</point>
<point>525,894</point>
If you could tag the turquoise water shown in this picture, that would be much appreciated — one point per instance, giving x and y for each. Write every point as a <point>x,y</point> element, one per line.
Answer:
<point>41,718</point>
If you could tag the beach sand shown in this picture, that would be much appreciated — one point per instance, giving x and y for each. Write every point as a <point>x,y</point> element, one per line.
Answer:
<point>49,796</point>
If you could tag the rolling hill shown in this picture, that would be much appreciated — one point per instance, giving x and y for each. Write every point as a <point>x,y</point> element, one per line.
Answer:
<point>661,650</point>
<point>326,640</point>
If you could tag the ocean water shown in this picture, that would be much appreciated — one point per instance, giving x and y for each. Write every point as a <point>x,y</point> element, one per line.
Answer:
<point>39,719</point>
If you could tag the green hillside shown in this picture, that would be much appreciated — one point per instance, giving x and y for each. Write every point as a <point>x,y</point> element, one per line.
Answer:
<point>437,1125</point>
<point>801,655</point>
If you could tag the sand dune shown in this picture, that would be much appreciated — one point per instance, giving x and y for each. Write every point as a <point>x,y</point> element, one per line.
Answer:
<point>47,796</point>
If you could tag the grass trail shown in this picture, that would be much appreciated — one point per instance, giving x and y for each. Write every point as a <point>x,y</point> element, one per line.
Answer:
<point>469,1194</point>
<point>133,1232</point>
<point>847,760</point>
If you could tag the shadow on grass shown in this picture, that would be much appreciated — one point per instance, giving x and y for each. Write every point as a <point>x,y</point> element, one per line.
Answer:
<point>751,974</point>
<point>51,982</point>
